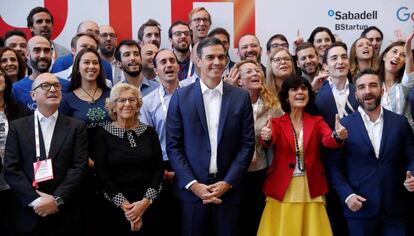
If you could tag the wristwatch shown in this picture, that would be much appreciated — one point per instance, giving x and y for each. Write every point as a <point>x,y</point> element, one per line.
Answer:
<point>59,201</point>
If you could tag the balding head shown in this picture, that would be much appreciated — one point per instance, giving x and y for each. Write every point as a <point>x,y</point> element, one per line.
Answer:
<point>36,40</point>
<point>88,26</point>
<point>40,54</point>
<point>46,92</point>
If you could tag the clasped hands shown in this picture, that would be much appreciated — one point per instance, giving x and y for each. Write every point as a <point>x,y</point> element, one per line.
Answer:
<point>46,206</point>
<point>210,193</point>
<point>134,211</point>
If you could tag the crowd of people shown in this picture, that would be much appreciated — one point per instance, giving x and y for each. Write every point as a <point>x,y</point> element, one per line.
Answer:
<point>117,136</point>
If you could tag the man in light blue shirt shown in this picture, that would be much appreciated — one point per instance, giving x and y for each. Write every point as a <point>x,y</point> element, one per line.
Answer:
<point>154,113</point>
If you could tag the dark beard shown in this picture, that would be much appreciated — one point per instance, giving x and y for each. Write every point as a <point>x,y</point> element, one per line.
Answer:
<point>107,53</point>
<point>33,65</point>
<point>132,73</point>
<point>181,49</point>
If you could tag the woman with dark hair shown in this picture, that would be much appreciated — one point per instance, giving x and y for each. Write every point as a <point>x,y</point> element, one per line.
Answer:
<point>9,110</point>
<point>321,38</point>
<point>362,56</point>
<point>396,72</point>
<point>295,183</point>
<point>129,166</point>
<point>85,101</point>
<point>12,63</point>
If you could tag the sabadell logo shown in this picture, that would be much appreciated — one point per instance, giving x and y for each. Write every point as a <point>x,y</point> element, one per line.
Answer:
<point>346,16</point>
<point>349,15</point>
<point>404,14</point>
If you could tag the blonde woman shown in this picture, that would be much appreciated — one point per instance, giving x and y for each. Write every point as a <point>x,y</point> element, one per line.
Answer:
<point>362,56</point>
<point>265,104</point>
<point>280,66</point>
<point>128,165</point>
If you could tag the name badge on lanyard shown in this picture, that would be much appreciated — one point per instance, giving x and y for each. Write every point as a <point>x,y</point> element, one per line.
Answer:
<point>43,169</point>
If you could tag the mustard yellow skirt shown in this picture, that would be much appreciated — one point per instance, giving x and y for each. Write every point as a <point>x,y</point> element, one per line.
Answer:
<point>296,215</point>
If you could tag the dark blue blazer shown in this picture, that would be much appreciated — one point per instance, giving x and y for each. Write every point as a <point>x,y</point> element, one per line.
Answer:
<point>325,103</point>
<point>188,145</point>
<point>354,168</point>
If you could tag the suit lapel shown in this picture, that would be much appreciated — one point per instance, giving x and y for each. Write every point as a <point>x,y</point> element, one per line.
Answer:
<point>329,99</point>
<point>199,104</point>
<point>30,136</point>
<point>225,105</point>
<point>59,134</point>
<point>385,130</point>
<point>288,132</point>
<point>361,126</point>
<point>308,126</point>
<point>352,99</point>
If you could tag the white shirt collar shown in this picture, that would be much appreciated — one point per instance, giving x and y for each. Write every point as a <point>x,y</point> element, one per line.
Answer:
<point>365,116</point>
<point>204,87</point>
<point>333,86</point>
<point>41,116</point>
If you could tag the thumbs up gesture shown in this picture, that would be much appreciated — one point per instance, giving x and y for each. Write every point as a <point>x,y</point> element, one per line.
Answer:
<point>339,129</point>
<point>266,132</point>
<point>409,182</point>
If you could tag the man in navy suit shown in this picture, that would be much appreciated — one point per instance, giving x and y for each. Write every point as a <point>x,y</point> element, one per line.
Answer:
<point>210,143</point>
<point>370,171</point>
<point>337,95</point>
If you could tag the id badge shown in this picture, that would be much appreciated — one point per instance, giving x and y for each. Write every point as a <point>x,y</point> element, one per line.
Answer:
<point>43,170</point>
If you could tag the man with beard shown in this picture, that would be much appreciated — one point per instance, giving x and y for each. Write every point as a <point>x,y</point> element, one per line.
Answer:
<point>148,52</point>
<point>200,22</point>
<point>307,62</point>
<point>108,40</point>
<point>128,54</point>
<point>374,165</point>
<point>40,22</point>
<point>150,32</point>
<point>154,113</point>
<point>249,48</point>
<point>179,35</point>
<point>40,58</point>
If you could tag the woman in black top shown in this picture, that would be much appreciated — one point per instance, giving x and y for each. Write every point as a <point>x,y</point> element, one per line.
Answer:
<point>9,110</point>
<point>128,164</point>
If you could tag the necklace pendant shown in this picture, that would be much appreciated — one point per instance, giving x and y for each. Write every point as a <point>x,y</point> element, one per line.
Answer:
<point>92,102</point>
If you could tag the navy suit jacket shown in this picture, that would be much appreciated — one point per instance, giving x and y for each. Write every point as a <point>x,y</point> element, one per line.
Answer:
<point>188,145</point>
<point>325,103</point>
<point>355,169</point>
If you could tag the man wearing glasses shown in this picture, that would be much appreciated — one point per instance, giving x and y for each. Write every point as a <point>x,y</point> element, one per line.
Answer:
<point>179,35</point>
<point>39,60</point>
<point>45,162</point>
<point>108,41</point>
<point>200,22</point>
